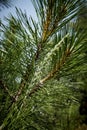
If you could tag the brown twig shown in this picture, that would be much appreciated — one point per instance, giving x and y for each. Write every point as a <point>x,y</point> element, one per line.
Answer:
<point>52,73</point>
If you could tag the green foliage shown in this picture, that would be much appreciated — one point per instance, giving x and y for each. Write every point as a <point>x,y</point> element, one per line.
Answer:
<point>43,67</point>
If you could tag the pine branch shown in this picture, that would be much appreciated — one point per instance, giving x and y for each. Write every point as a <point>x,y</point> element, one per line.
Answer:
<point>46,25</point>
<point>22,85</point>
<point>50,25</point>
<point>26,75</point>
<point>39,48</point>
<point>51,74</point>
<point>49,28</point>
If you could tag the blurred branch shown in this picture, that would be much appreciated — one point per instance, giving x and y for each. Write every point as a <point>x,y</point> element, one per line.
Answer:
<point>5,88</point>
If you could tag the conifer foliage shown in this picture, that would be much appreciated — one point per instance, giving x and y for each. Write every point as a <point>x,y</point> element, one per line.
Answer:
<point>5,3</point>
<point>43,64</point>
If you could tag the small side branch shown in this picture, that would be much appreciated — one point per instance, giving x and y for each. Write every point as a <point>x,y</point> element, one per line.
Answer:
<point>35,89</point>
<point>52,73</point>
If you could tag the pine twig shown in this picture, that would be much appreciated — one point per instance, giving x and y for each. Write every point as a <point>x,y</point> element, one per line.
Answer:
<point>55,70</point>
<point>46,33</point>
